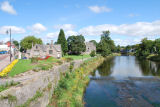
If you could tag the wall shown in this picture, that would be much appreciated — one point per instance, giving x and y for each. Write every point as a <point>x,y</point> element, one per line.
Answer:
<point>39,82</point>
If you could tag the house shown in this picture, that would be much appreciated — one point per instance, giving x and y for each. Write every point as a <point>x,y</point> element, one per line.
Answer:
<point>90,47</point>
<point>44,50</point>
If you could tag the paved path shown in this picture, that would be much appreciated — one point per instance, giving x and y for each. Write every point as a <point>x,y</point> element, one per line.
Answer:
<point>4,61</point>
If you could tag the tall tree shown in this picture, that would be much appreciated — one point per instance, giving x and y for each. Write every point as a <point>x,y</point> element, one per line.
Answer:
<point>76,44</point>
<point>62,40</point>
<point>106,45</point>
<point>26,43</point>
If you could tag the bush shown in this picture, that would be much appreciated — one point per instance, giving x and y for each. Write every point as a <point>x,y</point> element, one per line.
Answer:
<point>93,53</point>
<point>34,60</point>
<point>69,59</point>
<point>59,62</point>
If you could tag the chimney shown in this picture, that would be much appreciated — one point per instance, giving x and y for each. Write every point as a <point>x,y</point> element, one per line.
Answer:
<point>51,42</point>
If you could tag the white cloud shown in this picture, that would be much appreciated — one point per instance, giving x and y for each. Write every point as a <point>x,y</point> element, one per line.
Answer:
<point>52,35</point>
<point>6,7</point>
<point>37,28</point>
<point>99,9</point>
<point>55,34</point>
<point>65,26</point>
<point>14,29</point>
<point>125,42</point>
<point>136,29</point>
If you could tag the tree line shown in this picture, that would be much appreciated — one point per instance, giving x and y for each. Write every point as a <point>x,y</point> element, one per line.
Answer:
<point>74,44</point>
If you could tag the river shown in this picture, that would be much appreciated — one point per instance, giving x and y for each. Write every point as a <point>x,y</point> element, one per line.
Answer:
<point>124,81</point>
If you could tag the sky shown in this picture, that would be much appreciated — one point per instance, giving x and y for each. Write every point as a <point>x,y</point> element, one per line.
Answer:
<point>128,21</point>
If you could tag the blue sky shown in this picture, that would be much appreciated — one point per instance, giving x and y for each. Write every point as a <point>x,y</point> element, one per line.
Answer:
<point>128,20</point>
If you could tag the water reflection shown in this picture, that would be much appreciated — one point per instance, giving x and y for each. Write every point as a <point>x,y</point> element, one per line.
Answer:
<point>127,66</point>
<point>122,92</point>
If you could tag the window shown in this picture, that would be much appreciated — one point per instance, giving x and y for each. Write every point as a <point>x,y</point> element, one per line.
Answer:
<point>36,47</point>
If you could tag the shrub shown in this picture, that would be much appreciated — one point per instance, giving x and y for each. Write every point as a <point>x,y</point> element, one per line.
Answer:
<point>34,60</point>
<point>36,69</point>
<point>59,62</point>
<point>69,59</point>
<point>93,53</point>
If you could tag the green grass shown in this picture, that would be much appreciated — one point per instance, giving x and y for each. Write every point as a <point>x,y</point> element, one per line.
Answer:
<point>76,57</point>
<point>20,67</point>
<point>70,88</point>
<point>26,65</point>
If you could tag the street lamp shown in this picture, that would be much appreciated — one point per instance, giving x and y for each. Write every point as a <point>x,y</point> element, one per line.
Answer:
<point>9,32</point>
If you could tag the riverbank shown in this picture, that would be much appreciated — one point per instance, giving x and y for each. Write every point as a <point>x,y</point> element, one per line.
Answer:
<point>70,89</point>
<point>154,57</point>
<point>34,88</point>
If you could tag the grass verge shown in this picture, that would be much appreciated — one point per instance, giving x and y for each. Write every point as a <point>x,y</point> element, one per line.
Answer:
<point>70,89</point>
<point>76,57</point>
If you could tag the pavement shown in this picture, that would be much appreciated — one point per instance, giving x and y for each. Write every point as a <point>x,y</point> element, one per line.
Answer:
<point>4,61</point>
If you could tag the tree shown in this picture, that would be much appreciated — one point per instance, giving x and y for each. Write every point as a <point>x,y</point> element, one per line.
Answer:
<point>76,44</point>
<point>118,48</point>
<point>15,42</point>
<point>62,40</point>
<point>27,42</point>
<point>93,53</point>
<point>106,46</point>
<point>145,48</point>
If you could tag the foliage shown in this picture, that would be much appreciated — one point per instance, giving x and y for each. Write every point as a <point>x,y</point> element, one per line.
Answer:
<point>6,70</point>
<point>62,40</point>
<point>16,43</point>
<point>106,46</point>
<point>93,53</point>
<point>70,89</point>
<point>77,57</point>
<point>27,42</point>
<point>76,44</point>
<point>145,48</point>
<point>34,60</point>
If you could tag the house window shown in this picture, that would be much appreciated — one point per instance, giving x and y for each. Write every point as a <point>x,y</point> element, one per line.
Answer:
<point>36,47</point>
<point>50,51</point>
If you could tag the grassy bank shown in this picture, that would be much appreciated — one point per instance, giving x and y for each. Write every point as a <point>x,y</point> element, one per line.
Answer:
<point>26,65</point>
<point>76,57</point>
<point>69,92</point>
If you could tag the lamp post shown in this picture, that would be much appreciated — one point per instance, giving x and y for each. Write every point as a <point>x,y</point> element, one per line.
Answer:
<point>9,32</point>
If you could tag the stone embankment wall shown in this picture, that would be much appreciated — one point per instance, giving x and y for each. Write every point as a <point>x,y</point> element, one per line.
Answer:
<point>42,81</point>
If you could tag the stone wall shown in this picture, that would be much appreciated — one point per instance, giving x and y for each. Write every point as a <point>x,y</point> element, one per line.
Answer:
<point>40,82</point>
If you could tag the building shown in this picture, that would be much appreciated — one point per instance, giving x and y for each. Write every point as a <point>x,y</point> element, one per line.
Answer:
<point>90,47</point>
<point>44,50</point>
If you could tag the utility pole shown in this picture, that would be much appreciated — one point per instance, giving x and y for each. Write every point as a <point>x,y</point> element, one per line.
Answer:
<point>9,32</point>
<point>10,45</point>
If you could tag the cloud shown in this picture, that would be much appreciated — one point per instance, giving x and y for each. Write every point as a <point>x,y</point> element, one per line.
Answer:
<point>14,29</point>
<point>52,35</point>
<point>37,28</point>
<point>136,29</point>
<point>99,9</point>
<point>6,7</point>
<point>64,27</point>
<point>125,42</point>
<point>55,34</point>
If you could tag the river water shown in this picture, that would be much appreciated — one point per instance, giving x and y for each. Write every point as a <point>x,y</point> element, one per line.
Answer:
<point>124,81</point>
